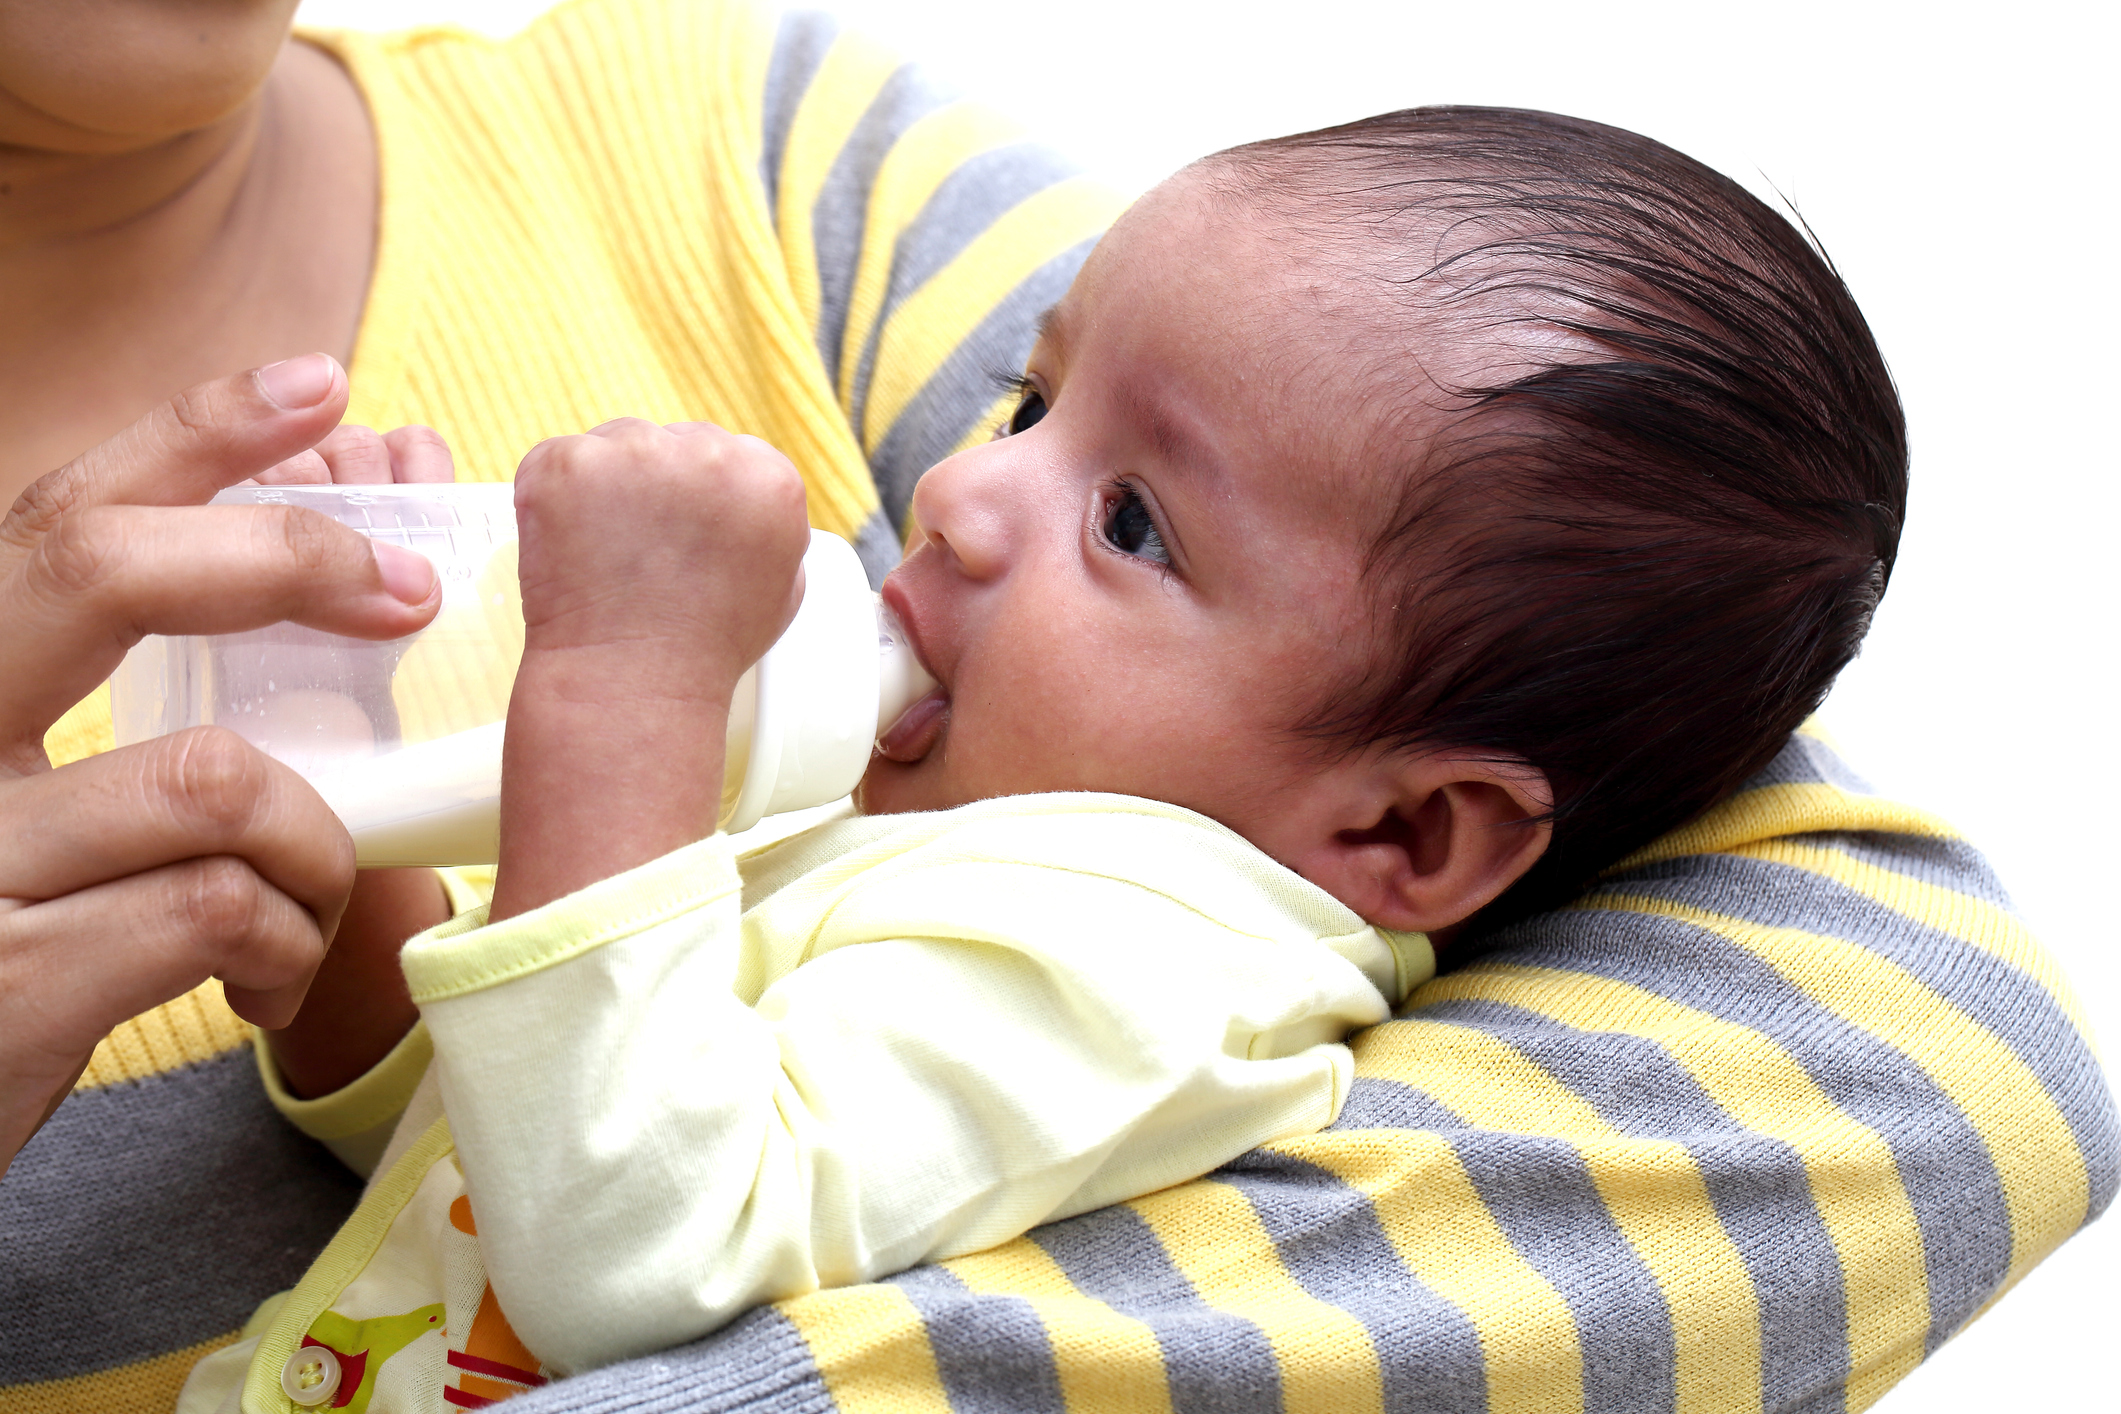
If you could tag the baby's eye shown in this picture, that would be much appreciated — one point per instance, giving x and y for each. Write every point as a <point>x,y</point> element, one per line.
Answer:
<point>1030,407</point>
<point>1130,528</point>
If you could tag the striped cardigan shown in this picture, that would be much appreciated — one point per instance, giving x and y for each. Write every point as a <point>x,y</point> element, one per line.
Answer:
<point>1756,1124</point>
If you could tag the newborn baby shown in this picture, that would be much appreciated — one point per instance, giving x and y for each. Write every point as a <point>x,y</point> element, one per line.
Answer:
<point>1394,526</point>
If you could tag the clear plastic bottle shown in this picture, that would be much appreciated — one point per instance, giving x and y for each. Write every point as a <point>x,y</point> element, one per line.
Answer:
<point>403,738</point>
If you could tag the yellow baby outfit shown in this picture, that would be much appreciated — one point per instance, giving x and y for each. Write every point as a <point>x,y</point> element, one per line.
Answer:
<point>719,1080</point>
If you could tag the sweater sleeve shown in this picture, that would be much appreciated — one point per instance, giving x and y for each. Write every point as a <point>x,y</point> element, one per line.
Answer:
<point>1757,1124</point>
<point>924,235</point>
<point>968,1049</point>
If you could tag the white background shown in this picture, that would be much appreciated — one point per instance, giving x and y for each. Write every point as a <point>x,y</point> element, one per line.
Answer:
<point>1958,163</point>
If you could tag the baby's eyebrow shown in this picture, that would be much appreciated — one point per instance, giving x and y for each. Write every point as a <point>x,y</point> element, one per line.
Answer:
<point>1049,327</point>
<point>1177,445</point>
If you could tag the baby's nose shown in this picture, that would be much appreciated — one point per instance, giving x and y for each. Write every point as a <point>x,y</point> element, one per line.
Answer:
<point>962,507</point>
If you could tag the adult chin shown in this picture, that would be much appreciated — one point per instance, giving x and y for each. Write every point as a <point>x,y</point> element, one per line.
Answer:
<point>101,76</point>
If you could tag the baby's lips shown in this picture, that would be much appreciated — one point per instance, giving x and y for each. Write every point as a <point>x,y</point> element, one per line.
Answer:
<point>917,729</point>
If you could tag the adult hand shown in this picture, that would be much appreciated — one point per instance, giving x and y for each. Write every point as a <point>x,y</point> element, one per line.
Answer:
<point>129,878</point>
<point>352,455</point>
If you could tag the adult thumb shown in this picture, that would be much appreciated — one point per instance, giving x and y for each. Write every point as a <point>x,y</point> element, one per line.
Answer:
<point>206,437</point>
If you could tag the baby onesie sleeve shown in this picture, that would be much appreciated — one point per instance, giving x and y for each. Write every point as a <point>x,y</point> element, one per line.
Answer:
<point>653,1142</point>
<point>356,1121</point>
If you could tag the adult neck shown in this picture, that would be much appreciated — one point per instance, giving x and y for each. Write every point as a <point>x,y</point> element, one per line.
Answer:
<point>167,192</point>
<point>129,274</point>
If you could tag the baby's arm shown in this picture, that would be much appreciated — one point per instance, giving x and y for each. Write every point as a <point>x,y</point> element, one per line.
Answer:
<point>657,563</point>
<point>973,1045</point>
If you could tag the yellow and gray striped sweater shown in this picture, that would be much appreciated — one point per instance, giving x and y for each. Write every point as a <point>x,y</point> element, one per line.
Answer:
<point>1753,1126</point>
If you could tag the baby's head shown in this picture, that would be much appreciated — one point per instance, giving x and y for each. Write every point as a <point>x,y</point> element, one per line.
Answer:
<point>1449,503</point>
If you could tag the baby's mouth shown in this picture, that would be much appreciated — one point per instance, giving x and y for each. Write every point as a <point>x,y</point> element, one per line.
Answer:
<point>917,729</point>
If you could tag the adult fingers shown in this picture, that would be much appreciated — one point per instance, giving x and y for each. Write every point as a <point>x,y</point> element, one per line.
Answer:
<point>77,965</point>
<point>72,968</point>
<point>102,577</point>
<point>194,793</point>
<point>356,456</point>
<point>418,454</point>
<point>205,438</point>
<point>301,469</point>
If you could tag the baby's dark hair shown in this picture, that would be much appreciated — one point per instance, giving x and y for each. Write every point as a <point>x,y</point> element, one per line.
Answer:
<point>1641,553</point>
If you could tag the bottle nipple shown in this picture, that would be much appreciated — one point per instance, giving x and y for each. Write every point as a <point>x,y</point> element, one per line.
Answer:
<point>901,681</point>
<point>841,673</point>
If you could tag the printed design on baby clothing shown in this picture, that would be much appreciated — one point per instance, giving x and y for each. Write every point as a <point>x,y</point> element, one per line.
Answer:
<point>495,1364</point>
<point>363,1346</point>
<point>456,1350</point>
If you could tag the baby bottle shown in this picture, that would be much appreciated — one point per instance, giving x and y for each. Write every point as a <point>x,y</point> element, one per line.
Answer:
<point>403,738</point>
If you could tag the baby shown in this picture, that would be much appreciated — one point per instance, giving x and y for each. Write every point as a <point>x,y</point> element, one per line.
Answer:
<point>1395,525</point>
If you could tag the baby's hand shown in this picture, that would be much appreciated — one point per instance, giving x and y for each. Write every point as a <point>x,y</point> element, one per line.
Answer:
<point>657,564</point>
<point>679,546</point>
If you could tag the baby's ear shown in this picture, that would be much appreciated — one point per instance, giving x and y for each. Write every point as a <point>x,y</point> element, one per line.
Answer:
<point>1419,842</point>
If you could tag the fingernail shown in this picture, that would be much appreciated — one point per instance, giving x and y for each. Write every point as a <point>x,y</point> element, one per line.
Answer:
<point>297,383</point>
<point>406,573</point>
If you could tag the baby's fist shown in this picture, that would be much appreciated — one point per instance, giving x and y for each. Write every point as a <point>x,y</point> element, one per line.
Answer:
<point>678,548</point>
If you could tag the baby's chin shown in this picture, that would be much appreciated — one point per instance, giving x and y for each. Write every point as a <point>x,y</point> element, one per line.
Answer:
<point>905,772</point>
<point>906,768</point>
<point>897,788</point>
